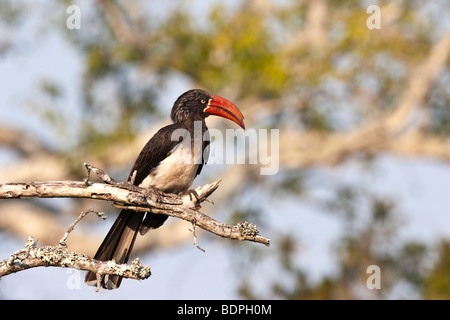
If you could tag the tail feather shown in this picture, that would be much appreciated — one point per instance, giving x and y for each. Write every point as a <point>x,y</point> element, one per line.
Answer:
<point>152,221</point>
<point>117,245</point>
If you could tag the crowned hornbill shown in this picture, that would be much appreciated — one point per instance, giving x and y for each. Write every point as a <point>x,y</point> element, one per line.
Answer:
<point>169,162</point>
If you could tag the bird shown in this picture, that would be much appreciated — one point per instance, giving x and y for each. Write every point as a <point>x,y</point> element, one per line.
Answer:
<point>169,162</point>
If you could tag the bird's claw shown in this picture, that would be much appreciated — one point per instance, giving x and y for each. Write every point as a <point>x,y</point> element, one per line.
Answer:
<point>157,194</point>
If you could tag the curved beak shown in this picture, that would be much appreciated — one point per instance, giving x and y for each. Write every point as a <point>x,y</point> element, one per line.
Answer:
<point>223,108</point>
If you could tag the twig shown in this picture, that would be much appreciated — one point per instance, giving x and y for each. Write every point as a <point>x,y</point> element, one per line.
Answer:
<point>100,173</point>
<point>88,174</point>
<point>62,242</point>
<point>195,237</point>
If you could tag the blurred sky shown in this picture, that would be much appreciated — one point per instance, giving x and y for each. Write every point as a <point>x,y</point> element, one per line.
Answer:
<point>184,272</point>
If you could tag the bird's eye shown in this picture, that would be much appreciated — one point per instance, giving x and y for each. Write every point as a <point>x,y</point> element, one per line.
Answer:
<point>203,101</point>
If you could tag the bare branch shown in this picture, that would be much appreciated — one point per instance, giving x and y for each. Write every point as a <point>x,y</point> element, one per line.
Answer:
<point>62,242</point>
<point>421,79</point>
<point>392,131</point>
<point>130,197</point>
<point>135,198</point>
<point>56,256</point>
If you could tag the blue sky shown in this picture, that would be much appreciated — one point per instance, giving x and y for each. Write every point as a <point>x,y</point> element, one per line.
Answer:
<point>184,272</point>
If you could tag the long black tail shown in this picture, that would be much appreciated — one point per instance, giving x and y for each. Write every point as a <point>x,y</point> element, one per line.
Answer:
<point>117,245</point>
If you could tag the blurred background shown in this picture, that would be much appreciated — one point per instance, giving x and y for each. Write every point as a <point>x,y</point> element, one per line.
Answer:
<point>364,123</point>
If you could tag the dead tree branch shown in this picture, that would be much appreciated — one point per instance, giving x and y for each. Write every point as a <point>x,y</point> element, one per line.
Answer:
<point>135,198</point>
<point>33,256</point>
<point>122,195</point>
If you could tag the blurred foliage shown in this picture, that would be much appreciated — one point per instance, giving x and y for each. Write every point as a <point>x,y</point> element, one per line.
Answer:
<point>321,81</point>
<point>373,242</point>
<point>257,50</point>
<point>439,122</point>
<point>437,284</point>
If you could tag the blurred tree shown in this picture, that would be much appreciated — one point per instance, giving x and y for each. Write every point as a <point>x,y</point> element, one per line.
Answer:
<point>335,89</point>
<point>437,284</point>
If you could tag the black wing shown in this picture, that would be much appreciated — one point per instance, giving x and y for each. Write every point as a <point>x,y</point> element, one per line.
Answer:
<point>155,151</point>
<point>205,149</point>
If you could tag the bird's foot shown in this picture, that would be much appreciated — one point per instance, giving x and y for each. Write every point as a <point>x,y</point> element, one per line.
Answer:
<point>157,194</point>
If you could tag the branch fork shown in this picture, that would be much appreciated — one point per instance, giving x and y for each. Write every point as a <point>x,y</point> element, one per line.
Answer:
<point>121,195</point>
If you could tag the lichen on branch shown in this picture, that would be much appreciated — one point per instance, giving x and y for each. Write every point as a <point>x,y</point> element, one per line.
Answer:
<point>122,195</point>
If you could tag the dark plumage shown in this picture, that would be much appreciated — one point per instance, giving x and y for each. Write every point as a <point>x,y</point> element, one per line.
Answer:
<point>165,164</point>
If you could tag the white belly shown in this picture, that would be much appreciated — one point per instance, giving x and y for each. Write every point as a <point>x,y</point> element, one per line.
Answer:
<point>176,173</point>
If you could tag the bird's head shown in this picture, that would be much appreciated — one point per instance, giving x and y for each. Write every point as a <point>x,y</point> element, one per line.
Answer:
<point>197,102</point>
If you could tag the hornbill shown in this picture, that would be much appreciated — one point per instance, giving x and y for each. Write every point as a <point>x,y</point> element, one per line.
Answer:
<point>169,161</point>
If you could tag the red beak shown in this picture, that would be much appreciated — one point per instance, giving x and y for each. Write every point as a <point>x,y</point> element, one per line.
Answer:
<point>223,108</point>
